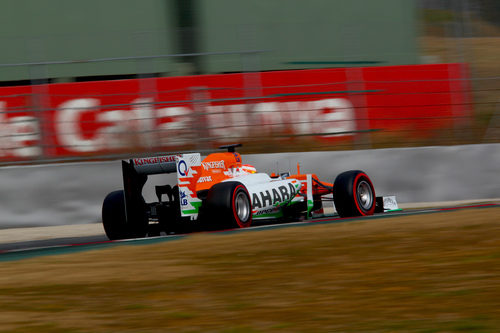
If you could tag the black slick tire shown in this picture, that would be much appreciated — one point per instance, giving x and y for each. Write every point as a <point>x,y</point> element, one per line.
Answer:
<point>354,194</point>
<point>114,218</point>
<point>229,205</point>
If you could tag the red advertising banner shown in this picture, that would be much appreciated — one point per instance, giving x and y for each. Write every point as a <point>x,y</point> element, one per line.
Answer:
<point>102,117</point>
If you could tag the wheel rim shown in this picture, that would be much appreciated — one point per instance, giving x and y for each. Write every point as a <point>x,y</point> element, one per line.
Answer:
<point>365,195</point>
<point>242,206</point>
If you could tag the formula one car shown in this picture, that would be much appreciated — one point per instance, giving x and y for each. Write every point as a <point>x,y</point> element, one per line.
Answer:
<point>221,192</point>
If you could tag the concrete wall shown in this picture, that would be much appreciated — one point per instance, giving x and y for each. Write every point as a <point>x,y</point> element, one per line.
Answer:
<point>73,193</point>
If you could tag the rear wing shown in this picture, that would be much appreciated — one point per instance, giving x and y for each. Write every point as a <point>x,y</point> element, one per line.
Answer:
<point>155,165</point>
<point>135,174</point>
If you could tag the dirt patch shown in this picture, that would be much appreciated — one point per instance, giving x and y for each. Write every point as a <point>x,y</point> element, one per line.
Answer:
<point>431,272</point>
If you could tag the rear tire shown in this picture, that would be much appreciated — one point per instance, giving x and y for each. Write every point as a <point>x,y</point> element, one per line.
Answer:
<point>229,202</point>
<point>354,194</point>
<point>114,218</point>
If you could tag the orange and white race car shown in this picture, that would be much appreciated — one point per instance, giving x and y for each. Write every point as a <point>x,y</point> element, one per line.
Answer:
<point>221,192</point>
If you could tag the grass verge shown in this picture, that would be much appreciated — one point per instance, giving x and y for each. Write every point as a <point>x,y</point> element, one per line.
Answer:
<point>427,273</point>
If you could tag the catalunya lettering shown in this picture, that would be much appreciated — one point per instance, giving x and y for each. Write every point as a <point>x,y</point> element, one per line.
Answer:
<point>143,126</point>
<point>102,117</point>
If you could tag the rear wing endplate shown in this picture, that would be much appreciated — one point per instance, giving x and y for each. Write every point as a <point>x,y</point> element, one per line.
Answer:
<point>188,173</point>
<point>186,166</point>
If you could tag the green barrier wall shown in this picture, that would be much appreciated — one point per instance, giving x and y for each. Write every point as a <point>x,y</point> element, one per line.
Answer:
<point>308,34</point>
<point>62,30</point>
<point>295,34</point>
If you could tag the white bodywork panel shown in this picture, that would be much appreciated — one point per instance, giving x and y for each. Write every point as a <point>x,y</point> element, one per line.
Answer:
<point>390,203</point>
<point>188,166</point>
<point>268,195</point>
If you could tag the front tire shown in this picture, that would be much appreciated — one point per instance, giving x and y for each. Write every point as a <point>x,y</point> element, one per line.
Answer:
<point>354,194</point>
<point>229,203</point>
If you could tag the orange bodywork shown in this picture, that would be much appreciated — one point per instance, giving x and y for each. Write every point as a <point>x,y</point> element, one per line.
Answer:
<point>218,167</point>
<point>319,188</point>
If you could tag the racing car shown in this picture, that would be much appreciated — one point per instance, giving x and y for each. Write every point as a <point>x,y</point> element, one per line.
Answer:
<point>220,192</point>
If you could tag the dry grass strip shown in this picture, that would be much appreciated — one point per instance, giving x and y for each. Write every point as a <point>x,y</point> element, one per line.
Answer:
<point>426,273</point>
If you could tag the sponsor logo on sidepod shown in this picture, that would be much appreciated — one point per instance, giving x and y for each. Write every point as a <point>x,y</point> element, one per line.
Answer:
<point>274,196</point>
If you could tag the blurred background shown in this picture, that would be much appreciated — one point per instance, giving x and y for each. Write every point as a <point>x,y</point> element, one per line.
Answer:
<point>87,80</point>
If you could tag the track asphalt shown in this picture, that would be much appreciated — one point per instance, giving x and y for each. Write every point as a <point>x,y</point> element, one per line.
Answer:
<point>12,251</point>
